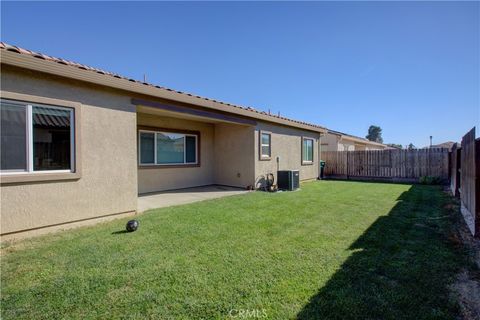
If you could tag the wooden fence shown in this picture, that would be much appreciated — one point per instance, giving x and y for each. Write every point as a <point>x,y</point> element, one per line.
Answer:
<point>454,170</point>
<point>469,184</point>
<point>394,164</point>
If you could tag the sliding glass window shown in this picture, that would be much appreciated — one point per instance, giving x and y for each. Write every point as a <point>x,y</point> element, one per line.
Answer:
<point>167,148</point>
<point>36,137</point>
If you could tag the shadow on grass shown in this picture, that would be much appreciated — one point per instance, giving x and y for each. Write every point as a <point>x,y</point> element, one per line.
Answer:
<point>400,268</point>
<point>120,232</point>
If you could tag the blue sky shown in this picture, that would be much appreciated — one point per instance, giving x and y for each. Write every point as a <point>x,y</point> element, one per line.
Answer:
<point>412,68</point>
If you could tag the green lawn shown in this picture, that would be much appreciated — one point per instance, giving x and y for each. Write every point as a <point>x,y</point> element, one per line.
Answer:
<point>333,250</point>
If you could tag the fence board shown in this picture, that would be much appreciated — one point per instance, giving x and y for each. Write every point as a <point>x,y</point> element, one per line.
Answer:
<point>470,181</point>
<point>455,156</point>
<point>388,164</point>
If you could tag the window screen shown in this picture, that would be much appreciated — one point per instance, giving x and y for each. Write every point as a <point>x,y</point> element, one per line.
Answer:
<point>191,149</point>
<point>147,147</point>
<point>13,136</point>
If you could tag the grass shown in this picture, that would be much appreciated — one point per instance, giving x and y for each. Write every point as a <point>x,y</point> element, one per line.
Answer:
<point>333,250</point>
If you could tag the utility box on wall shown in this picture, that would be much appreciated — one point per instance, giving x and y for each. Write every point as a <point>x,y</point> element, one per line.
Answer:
<point>288,179</point>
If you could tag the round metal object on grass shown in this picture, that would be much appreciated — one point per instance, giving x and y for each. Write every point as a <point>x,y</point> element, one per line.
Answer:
<point>132,225</point>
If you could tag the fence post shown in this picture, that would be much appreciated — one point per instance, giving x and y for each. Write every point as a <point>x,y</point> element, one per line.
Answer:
<point>348,177</point>
<point>477,188</point>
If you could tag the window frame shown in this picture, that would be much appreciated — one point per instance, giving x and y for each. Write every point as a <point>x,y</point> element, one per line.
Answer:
<point>303,161</point>
<point>29,174</point>
<point>261,156</point>
<point>155,165</point>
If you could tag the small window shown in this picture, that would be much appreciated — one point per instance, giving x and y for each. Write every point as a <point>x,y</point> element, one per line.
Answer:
<point>167,148</point>
<point>36,138</point>
<point>265,145</point>
<point>307,151</point>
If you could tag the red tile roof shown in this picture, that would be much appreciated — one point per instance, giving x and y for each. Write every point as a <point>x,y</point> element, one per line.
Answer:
<point>11,48</point>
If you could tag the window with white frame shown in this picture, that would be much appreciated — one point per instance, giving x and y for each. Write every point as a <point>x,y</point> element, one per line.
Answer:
<point>167,148</point>
<point>36,138</point>
<point>307,150</point>
<point>265,145</point>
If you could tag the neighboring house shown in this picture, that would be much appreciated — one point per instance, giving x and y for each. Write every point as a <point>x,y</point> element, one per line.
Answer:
<point>448,145</point>
<point>339,141</point>
<point>80,144</point>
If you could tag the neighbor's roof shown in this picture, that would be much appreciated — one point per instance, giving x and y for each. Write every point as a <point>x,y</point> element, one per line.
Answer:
<point>70,69</point>
<point>355,138</point>
<point>448,145</point>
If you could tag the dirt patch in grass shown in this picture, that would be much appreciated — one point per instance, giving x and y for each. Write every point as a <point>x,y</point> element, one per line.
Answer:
<point>467,289</point>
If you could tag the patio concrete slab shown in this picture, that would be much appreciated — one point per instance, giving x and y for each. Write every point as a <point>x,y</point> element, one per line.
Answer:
<point>184,196</point>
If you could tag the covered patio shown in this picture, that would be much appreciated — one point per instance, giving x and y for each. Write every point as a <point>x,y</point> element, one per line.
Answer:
<point>185,147</point>
<point>183,196</point>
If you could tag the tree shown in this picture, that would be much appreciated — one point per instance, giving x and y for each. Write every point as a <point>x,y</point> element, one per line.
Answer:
<point>411,146</point>
<point>395,145</point>
<point>375,134</point>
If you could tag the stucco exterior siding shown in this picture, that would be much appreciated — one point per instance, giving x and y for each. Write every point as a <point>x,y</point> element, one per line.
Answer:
<point>332,142</point>
<point>108,182</point>
<point>346,146</point>
<point>286,143</point>
<point>335,142</point>
<point>234,155</point>
<point>157,178</point>
<point>110,179</point>
<point>360,147</point>
<point>329,142</point>
<point>374,148</point>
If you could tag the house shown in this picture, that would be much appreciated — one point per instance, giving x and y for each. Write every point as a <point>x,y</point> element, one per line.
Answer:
<point>79,144</point>
<point>339,141</point>
<point>448,145</point>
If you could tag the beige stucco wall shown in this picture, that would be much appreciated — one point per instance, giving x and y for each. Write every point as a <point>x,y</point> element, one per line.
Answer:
<point>164,178</point>
<point>373,147</point>
<point>346,145</point>
<point>360,147</point>
<point>108,183</point>
<point>286,144</point>
<point>111,179</point>
<point>333,142</point>
<point>330,142</point>
<point>234,157</point>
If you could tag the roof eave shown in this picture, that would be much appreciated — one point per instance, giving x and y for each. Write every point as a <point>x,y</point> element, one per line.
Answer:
<point>366,142</point>
<point>55,68</point>
<point>355,139</point>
